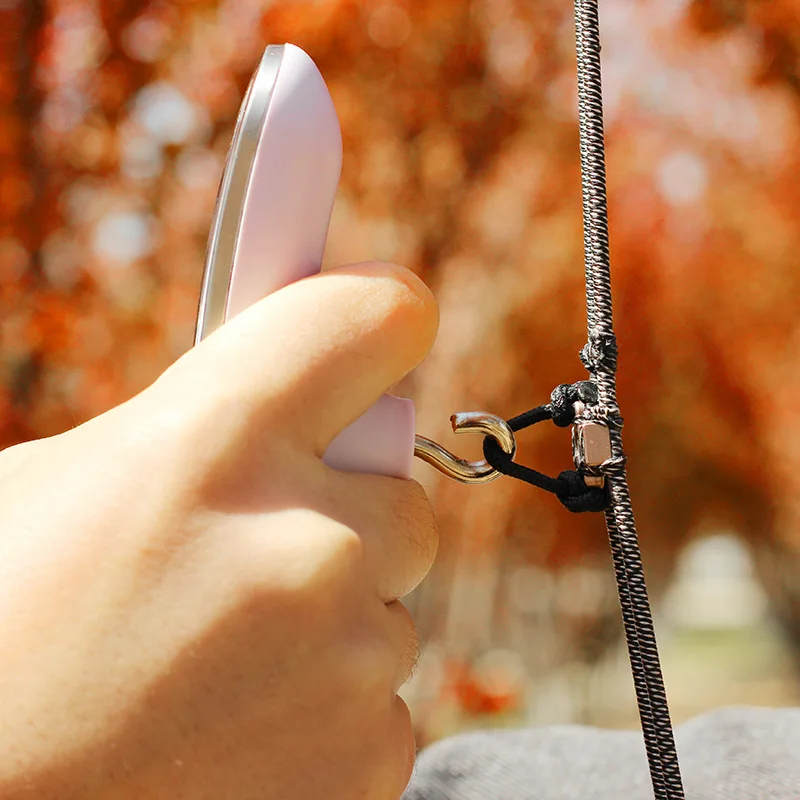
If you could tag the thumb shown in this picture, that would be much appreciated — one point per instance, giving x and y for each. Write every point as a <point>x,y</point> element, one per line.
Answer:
<point>314,356</point>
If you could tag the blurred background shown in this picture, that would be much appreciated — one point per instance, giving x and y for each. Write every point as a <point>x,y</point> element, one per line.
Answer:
<point>461,161</point>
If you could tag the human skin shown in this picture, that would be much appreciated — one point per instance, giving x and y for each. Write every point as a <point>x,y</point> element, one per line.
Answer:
<point>192,605</point>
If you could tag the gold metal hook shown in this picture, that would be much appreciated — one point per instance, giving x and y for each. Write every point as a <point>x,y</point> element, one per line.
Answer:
<point>458,468</point>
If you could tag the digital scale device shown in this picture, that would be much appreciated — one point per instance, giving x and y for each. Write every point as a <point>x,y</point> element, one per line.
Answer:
<point>271,222</point>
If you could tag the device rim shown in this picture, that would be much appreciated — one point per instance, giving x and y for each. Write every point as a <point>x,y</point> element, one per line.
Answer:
<point>226,220</point>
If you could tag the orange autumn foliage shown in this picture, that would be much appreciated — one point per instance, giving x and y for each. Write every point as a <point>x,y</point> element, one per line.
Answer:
<point>461,161</point>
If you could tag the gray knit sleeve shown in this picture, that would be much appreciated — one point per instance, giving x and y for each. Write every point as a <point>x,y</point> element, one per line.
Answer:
<point>731,754</point>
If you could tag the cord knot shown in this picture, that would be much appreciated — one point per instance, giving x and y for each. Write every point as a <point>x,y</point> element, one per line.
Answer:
<point>564,397</point>
<point>577,497</point>
<point>599,354</point>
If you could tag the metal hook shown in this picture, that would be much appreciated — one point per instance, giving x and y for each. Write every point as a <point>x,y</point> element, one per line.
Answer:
<point>458,468</point>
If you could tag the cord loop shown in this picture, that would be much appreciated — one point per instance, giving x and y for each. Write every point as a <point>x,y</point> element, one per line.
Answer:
<point>570,485</point>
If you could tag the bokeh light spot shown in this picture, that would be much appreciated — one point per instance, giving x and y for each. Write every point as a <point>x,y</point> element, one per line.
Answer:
<point>166,113</point>
<point>124,236</point>
<point>14,259</point>
<point>144,39</point>
<point>141,157</point>
<point>681,178</point>
<point>389,26</point>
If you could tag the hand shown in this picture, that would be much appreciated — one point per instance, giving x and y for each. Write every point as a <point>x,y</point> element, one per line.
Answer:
<point>192,605</point>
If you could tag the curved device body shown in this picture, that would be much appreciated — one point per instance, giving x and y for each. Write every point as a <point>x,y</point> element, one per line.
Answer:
<point>270,226</point>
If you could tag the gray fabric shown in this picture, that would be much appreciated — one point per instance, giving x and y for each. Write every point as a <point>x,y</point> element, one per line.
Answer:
<point>731,754</point>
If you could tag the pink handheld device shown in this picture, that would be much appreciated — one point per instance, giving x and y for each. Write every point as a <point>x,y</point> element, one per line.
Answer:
<point>270,224</point>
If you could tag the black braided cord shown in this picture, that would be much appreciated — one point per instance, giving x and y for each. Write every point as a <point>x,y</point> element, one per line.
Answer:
<point>600,358</point>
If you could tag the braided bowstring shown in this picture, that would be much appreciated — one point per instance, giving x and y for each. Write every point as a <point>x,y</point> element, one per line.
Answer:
<point>600,358</point>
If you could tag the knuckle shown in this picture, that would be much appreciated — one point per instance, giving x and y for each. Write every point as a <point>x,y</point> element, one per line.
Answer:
<point>377,655</point>
<point>383,657</point>
<point>191,405</point>
<point>360,676</point>
<point>407,643</point>
<point>414,515</point>
<point>160,425</point>
<point>212,447</point>
<point>307,557</point>
<point>387,750</point>
<point>341,557</point>
<point>403,744</point>
<point>371,667</point>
